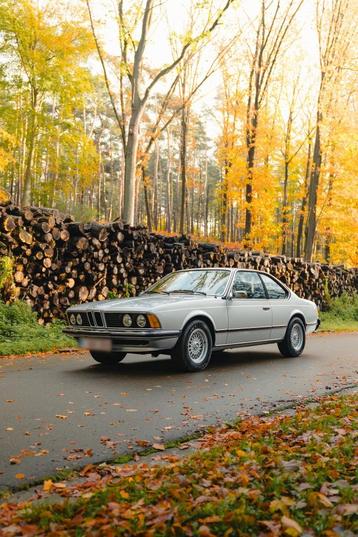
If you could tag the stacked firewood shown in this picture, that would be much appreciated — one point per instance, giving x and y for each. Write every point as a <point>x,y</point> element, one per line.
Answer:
<point>58,262</point>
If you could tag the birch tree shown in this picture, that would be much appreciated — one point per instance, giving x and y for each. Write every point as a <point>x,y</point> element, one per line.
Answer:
<point>133,67</point>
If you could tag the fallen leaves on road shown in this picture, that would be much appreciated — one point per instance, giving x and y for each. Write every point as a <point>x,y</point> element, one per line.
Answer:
<point>159,447</point>
<point>78,453</point>
<point>15,460</point>
<point>289,476</point>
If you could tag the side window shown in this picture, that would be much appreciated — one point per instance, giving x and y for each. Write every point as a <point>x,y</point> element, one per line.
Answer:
<point>248,285</point>
<point>274,290</point>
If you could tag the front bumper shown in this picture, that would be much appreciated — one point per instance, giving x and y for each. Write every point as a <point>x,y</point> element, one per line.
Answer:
<point>137,341</point>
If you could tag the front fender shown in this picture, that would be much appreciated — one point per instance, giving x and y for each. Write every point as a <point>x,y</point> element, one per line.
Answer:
<point>198,313</point>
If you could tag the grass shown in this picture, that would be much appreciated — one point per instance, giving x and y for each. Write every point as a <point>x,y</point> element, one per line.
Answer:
<point>286,475</point>
<point>341,315</point>
<point>20,333</point>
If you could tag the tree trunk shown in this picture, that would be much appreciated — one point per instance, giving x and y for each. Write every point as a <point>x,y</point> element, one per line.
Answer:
<point>183,144</point>
<point>250,161</point>
<point>168,185</point>
<point>312,191</point>
<point>303,204</point>
<point>284,209</point>
<point>130,170</point>
<point>26,192</point>
<point>155,186</point>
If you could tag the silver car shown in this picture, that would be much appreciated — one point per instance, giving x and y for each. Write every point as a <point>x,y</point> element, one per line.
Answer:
<point>191,313</point>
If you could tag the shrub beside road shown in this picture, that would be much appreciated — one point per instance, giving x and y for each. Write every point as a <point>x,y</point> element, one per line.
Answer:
<point>341,315</point>
<point>20,333</point>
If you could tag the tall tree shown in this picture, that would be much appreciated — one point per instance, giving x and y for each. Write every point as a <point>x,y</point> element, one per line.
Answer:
<point>45,52</point>
<point>132,64</point>
<point>272,28</point>
<point>333,39</point>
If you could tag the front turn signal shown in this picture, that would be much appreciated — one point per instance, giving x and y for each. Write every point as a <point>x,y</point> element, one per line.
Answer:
<point>153,321</point>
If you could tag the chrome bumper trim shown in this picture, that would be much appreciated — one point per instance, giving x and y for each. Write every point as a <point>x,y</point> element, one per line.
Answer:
<point>118,334</point>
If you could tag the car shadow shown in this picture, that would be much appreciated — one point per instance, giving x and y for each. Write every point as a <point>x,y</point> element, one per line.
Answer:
<point>163,366</point>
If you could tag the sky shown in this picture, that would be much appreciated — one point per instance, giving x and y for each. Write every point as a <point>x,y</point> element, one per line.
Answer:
<point>171,18</point>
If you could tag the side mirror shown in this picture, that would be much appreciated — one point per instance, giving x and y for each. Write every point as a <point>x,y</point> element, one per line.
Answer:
<point>239,294</point>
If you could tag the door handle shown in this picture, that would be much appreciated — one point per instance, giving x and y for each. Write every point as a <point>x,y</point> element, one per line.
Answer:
<point>266,308</point>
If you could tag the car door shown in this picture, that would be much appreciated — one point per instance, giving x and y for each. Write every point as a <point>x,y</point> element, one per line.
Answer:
<point>280,305</point>
<point>249,310</point>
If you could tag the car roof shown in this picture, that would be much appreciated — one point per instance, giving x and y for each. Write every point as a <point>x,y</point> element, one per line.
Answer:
<point>221,268</point>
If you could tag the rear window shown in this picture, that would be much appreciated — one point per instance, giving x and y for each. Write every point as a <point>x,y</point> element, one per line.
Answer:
<point>274,290</point>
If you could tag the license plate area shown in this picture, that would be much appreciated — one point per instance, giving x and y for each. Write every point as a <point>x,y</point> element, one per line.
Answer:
<point>96,344</point>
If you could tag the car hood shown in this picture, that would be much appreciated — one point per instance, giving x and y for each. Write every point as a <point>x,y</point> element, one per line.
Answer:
<point>143,303</point>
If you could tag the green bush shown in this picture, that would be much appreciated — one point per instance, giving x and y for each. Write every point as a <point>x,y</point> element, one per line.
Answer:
<point>20,332</point>
<point>345,307</point>
<point>342,313</point>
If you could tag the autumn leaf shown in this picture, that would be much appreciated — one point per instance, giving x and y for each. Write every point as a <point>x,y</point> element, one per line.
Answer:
<point>290,524</point>
<point>142,443</point>
<point>159,447</point>
<point>20,476</point>
<point>47,485</point>
<point>204,531</point>
<point>59,486</point>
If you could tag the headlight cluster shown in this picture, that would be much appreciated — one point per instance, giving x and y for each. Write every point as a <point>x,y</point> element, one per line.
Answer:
<point>76,319</point>
<point>139,321</point>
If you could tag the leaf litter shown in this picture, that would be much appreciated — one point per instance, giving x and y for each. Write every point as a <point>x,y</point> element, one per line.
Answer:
<point>292,475</point>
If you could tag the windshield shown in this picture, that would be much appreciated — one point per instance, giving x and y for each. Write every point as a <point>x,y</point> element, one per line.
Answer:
<point>204,282</point>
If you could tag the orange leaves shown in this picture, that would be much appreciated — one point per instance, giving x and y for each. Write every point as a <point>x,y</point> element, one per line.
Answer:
<point>291,527</point>
<point>47,485</point>
<point>78,454</point>
<point>317,499</point>
<point>259,476</point>
<point>159,447</point>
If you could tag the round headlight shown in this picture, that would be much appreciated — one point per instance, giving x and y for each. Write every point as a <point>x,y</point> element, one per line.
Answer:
<point>141,321</point>
<point>79,319</point>
<point>127,320</point>
<point>72,319</point>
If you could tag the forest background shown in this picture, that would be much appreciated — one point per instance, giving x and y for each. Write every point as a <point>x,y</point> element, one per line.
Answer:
<point>229,120</point>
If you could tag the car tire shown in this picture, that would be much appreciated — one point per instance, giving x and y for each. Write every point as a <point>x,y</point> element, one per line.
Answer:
<point>193,350</point>
<point>108,358</point>
<point>295,339</point>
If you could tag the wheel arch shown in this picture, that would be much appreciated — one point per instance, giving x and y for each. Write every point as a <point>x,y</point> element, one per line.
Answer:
<point>300,315</point>
<point>194,316</point>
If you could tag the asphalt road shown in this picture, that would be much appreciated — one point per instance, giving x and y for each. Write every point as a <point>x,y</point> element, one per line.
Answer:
<point>66,411</point>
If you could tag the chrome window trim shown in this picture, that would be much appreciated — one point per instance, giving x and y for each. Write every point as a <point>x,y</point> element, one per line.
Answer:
<point>276,280</point>
<point>229,295</point>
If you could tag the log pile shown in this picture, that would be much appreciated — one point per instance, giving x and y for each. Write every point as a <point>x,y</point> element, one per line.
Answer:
<point>58,262</point>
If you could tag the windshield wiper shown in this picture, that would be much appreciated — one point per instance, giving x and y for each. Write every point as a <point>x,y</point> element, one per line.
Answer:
<point>187,291</point>
<point>157,292</point>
